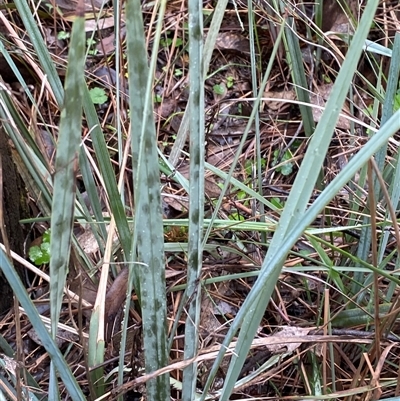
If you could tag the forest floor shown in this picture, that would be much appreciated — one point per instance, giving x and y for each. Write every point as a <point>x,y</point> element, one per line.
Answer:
<point>311,292</point>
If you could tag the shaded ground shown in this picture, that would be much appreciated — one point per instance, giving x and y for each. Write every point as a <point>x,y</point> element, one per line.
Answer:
<point>300,295</point>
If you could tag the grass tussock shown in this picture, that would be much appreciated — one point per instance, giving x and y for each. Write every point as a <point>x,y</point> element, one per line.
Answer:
<point>211,198</point>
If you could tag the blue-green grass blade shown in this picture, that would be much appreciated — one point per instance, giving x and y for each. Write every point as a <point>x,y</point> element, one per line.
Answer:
<point>209,46</point>
<point>269,270</point>
<point>93,196</point>
<point>245,134</point>
<point>42,52</point>
<point>295,61</point>
<point>392,169</point>
<point>16,72</point>
<point>51,347</point>
<point>387,111</point>
<point>292,217</point>
<point>345,176</point>
<point>196,193</point>
<point>167,168</point>
<point>254,83</point>
<point>33,386</point>
<point>108,174</point>
<point>32,167</point>
<point>148,236</point>
<point>391,90</point>
<point>66,164</point>
<point>65,170</point>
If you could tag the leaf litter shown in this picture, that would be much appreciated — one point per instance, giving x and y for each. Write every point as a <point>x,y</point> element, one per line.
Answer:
<point>296,303</point>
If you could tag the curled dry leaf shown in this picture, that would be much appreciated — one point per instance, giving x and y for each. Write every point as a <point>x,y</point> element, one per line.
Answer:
<point>209,324</point>
<point>63,337</point>
<point>88,241</point>
<point>175,202</point>
<point>287,331</point>
<point>212,307</point>
<point>280,97</point>
<point>211,188</point>
<point>232,41</point>
<point>9,364</point>
<point>320,98</point>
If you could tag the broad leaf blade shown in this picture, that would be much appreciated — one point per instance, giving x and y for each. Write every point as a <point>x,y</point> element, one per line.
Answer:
<point>148,239</point>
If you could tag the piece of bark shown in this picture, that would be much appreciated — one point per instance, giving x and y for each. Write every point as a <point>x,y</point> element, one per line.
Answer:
<point>13,196</point>
<point>333,14</point>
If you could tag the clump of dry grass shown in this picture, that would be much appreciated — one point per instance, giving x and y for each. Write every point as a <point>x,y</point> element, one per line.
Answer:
<point>340,272</point>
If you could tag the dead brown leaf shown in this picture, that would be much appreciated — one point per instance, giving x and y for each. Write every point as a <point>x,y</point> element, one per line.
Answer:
<point>287,331</point>
<point>280,97</point>
<point>232,41</point>
<point>320,98</point>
